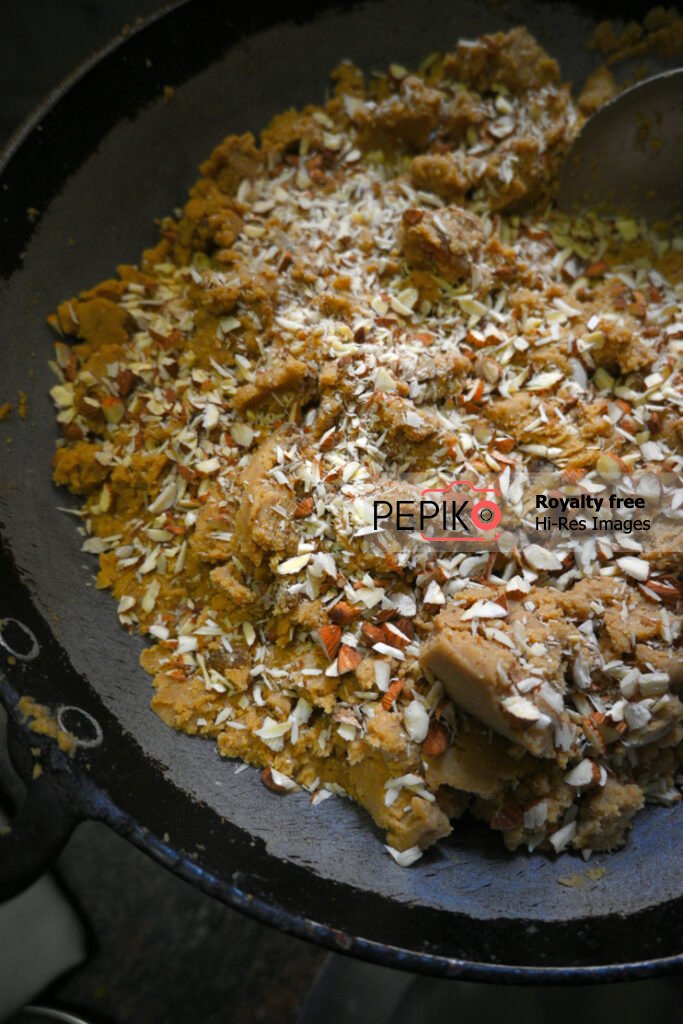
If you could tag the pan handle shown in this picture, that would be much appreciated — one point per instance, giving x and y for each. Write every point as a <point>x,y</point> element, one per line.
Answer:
<point>33,837</point>
<point>40,827</point>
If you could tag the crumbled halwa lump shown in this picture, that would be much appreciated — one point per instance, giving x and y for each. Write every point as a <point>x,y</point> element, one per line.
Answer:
<point>375,298</point>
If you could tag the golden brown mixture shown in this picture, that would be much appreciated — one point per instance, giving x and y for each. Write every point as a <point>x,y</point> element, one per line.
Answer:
<point>374,299</point>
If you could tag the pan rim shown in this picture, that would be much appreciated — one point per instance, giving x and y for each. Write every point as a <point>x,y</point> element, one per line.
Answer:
<point>92,803</point>
<point>32,121</point>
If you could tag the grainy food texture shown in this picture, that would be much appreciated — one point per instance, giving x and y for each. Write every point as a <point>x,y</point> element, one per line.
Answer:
<point>373,298</point>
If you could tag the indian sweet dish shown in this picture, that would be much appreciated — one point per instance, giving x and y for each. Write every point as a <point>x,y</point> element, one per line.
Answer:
<point>376,298</point>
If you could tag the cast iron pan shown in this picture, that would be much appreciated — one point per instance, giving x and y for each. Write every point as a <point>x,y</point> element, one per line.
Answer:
<point>99,162</point>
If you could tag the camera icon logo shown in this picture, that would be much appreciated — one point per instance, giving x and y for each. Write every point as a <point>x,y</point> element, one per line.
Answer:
<point>460,512</point>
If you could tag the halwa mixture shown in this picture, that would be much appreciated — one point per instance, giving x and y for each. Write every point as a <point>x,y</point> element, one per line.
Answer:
<point>375,298</point>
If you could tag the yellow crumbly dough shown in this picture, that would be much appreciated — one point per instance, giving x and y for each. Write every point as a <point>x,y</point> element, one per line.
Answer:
<point>375,298</point>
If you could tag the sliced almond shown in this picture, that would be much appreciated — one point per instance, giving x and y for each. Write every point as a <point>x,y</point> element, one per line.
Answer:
<point>636,568</point>
<point>434,594</point>
<point>581,672</point>
<point>542,559</point>
<point>293,565</point>
<point>416,721</point>
<point>563,836</point>
<point>404,858</point>
<point>585,773</point>
<point>207,466</point>
<point>593,735</point>
<point>669,590</point>
<point>484,610</point>
<point>517,587</point>
<point>521,709</point>
<point>276,781</point>
<point>610,466</point>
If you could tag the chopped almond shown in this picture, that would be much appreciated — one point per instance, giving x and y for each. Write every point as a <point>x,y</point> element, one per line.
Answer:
<point>406,627</point>
<point>330,638</point>
<point>344,613</point>
<point>113,409</point>
<point>441,707</point>
<point>373,634</point>
<point>666,588</point>
<point>504,444</point>
<point>572,474</point>
<point>436,740</point>
<point>508,816</point>
<point>392,694</point>
<point>304,508</point>
<point>125,381</point>
<point>425,337</point>
<point>349,659</point>
<point>395,638</point>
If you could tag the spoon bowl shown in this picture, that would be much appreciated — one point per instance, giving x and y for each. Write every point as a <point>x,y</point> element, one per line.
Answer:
<point>628,157</point>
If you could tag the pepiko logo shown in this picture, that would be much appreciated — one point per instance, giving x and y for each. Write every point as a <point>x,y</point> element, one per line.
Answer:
<point>459,512</point>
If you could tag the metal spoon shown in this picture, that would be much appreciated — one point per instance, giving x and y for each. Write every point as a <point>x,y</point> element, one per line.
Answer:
<point>628,157</point>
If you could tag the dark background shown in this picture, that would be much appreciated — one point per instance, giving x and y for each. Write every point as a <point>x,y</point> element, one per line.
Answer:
<point>160,950</point>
